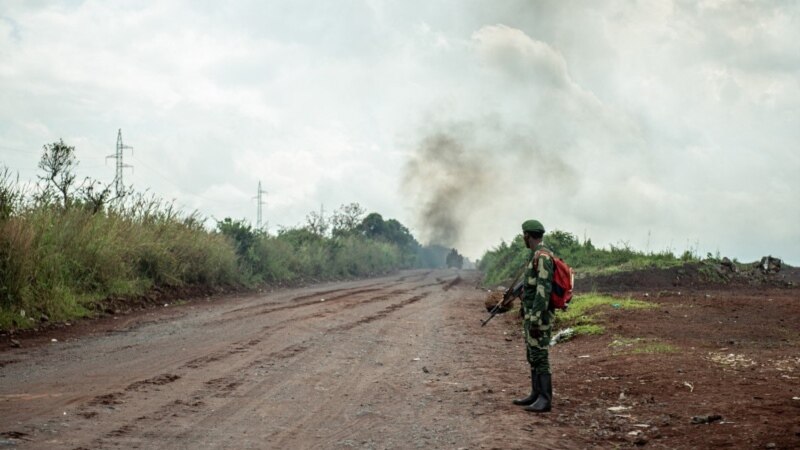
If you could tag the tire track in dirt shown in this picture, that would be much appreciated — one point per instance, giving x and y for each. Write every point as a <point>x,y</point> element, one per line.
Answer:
<point>328,301</point>
<point>371,397</point>
<point>225,386</point>
<point>241,346</point>
<point>449,285</point>
<point>232,349</point>
<point>270,329</point>
<point>385,312</point>
<point>346,292</point>
<point>269,308</point>
<point>112,399</point>
<point>252,394</point>
<point>315,294</point>
<point>296,349</point>
<point>414,277</point>
<point>160,380</point>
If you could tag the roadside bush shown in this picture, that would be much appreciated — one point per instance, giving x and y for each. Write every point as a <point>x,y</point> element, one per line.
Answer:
<point>354,256</point>
<point>17,262</point>
<point>271,260</point>
<point>500,264</point>
<point>55,260</point>
<point>187,254</point>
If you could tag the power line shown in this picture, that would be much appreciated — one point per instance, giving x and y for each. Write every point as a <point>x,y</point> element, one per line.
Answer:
<point>20,170</point>
<point>34,169</point>
<point>182,189</point>
<point>17,150</point>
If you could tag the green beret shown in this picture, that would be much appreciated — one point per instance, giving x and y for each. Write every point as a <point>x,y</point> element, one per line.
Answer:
<point>532,226</point>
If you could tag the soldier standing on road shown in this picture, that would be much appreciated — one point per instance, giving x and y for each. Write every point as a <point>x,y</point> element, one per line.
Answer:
<point>538,318</point>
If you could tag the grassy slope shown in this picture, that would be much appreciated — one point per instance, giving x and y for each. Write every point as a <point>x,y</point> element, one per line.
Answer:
<point>501,263</point>
<point>58,263</point>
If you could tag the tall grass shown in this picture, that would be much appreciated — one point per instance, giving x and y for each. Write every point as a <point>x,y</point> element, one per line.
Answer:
<point>58,262</point>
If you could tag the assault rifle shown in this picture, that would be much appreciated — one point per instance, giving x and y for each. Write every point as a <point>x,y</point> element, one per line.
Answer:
<point>508,296</point>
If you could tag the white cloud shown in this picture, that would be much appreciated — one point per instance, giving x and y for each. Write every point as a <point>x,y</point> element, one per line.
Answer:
<point>675,119</point>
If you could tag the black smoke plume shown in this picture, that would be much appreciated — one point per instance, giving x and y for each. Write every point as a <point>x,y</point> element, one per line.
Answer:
<point>446,177</point>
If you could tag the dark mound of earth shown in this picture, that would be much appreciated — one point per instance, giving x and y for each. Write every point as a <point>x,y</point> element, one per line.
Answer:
<point>691,275</point>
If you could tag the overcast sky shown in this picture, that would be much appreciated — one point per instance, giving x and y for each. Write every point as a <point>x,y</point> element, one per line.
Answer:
<point>660,124</point>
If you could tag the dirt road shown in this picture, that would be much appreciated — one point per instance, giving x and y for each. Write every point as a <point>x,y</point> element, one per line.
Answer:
<point>379,363</point>
<point>402,362</point>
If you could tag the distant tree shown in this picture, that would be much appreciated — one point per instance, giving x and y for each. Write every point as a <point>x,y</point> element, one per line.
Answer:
<point>397,233</point>
<point>316,223</point>
<point>454,259</point>
<point>298,236</point>
<point>372,226</point>
<point>346,219</point>
<point>58,163</point>
<point>561,241</point>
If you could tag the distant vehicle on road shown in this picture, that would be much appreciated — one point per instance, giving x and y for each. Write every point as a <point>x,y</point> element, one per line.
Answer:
<point>454,260</point>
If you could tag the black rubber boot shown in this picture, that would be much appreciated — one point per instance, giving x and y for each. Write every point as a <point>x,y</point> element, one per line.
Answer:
<point>529,400</point>
<point>545,400</point>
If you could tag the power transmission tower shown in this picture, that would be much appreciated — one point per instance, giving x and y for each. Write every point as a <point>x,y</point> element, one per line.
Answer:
<point>118,184</point>
<point>261,202</point>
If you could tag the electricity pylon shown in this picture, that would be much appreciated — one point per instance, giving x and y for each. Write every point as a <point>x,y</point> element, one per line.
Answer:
<point>119,186</point>
<point>260,202</point>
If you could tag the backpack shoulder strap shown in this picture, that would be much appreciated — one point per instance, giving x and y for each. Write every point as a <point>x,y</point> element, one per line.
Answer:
<point>536,255</point>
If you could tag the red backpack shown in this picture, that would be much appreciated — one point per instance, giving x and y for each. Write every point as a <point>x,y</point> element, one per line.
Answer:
<point>563,279</point>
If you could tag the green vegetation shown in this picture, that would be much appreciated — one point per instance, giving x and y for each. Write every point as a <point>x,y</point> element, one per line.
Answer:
<point>585,310</point>
<point>66,245</point>
<point>56,262</point>
<point>581,305</point>
<point>302,253</point>
<point>501,263</point>
<point>589,329</point>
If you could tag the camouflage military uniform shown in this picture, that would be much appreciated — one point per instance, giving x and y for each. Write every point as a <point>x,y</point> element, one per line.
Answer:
<point>538,318</point>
